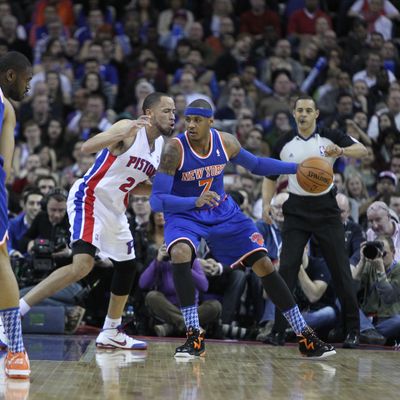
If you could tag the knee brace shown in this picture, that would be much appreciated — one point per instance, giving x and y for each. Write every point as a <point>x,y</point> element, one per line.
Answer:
<point>123,277</point>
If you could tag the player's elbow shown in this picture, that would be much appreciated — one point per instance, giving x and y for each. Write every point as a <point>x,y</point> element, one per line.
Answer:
<point>156,203</point>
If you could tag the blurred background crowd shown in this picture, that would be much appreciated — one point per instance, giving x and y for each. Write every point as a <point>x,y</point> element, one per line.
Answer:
<point>95,61</point>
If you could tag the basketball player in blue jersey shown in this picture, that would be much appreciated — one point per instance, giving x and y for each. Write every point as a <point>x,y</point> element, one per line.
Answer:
<point>15,75</point>
<point>188,188</point>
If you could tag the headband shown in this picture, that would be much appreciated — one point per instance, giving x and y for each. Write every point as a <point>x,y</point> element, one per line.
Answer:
<point>203,112</point>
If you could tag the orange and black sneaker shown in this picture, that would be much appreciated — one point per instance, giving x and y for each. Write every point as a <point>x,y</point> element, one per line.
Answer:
<point>17,365</point>
<point>311,346</point>
<point>194,346</point>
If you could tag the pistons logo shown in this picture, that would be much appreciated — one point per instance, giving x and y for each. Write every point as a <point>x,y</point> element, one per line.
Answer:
<point>256,237</point>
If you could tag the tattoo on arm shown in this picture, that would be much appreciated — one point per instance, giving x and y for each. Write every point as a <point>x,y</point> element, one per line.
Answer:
<point>232,145</point>
<point>170,158</point>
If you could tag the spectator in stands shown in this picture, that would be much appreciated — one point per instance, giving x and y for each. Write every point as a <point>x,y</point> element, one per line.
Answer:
<point>283,51</point>
<point>17,227</point>
<point>166,16</point>
<point>9,32</point>
<point>393,108</point>
<point>377,13</point>
<point>354,235</point>
<point>279,100</point>
<point>144,225</point>
<point>96,105</point>
<point>357,190</point>
<point>234,60</point>
<point>46,184</point>
<point>394,203</point>
<point>373,66</point>
<point>379,278</point>
<point>236,102</point>
<point>302,22</point>
<point>382,223</point>
<point>225,285</point>
<point>95,20</point>
<point>257,18</point>
<point>31,132</point>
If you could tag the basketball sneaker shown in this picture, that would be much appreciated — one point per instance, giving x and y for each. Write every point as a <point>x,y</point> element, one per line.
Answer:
<point>194,346</point>
<point>3,337</point>
<point>116,338</point>
<point>311,346</point>
<point>17,365</point>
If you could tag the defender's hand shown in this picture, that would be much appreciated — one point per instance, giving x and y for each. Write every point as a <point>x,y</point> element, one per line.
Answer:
<point>135,125</point>
<point>210,198</point>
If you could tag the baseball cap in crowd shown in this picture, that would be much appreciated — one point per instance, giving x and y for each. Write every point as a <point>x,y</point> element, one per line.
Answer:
<point>388,175</point>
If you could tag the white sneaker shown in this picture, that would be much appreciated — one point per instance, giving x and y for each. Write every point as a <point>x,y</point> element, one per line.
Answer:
<point>3,337</point>
<point>116,339</point>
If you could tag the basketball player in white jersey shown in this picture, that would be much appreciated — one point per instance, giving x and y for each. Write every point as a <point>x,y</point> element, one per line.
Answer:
<point>128,155</point>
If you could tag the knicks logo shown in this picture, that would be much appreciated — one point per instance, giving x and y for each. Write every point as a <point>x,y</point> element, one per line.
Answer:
<point>256,237</point>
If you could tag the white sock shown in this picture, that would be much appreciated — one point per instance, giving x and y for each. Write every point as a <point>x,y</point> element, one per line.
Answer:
<point>24,307</point>
<point>110,323</point>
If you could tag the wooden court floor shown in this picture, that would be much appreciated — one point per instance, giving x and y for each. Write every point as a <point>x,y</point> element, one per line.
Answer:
<point>70,367</point>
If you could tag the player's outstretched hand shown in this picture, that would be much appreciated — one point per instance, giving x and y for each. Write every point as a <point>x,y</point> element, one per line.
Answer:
<point>136,124</point>
<point>210,198</point>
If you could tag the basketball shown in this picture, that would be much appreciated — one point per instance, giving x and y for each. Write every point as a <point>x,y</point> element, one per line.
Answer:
<point>315,174</point>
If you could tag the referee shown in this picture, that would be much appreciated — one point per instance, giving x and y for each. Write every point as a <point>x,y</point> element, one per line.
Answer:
<point>309,214</point>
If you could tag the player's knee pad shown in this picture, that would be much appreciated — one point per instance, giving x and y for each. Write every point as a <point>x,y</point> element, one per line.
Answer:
<point>123,277</point>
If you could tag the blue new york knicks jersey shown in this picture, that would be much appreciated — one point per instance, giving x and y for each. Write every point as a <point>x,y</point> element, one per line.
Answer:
<point>230,235</point>
<point>3,193</point>
<point>198,173</point>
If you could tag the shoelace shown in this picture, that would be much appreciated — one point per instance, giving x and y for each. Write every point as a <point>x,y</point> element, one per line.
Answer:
<point>310,334</point>
<point>191,338</point>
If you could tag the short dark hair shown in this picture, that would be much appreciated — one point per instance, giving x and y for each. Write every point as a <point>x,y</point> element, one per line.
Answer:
<point>200,103</point>
<point>151,100</point>
<point>28,192</point>
<point>45,177</point>
<point>304,97</point>
<point>14,60</point>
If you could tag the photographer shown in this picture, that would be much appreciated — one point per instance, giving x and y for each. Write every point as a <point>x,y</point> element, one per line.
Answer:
<point>46,241</point>
<point>379,276</point>
<point>52,225</point>
<point>381,222</point>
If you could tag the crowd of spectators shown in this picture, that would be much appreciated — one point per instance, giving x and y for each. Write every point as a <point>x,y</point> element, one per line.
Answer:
<point>95,61</point>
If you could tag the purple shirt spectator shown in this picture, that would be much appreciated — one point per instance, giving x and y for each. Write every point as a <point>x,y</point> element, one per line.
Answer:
<point>158,276</point>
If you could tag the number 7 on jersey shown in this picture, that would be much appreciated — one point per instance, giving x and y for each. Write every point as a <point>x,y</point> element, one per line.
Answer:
<point>206,183</point>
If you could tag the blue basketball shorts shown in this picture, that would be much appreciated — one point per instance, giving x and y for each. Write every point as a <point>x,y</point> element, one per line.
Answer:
<point>230,241</point>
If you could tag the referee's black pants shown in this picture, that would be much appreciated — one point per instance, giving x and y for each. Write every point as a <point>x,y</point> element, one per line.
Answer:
<point>320,216</point>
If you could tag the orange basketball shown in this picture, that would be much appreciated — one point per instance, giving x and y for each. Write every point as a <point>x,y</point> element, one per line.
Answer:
<point>315,174</point>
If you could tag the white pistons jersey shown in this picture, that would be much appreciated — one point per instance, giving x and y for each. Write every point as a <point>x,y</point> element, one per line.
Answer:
<point>97,202</point>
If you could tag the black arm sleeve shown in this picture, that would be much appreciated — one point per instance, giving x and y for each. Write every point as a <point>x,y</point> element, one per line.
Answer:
<point>338,137</point>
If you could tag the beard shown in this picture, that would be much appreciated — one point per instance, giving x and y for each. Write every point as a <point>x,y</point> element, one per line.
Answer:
<point>168,132</point>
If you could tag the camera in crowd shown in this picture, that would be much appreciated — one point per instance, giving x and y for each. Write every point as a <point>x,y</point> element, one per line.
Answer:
<point>31,270</point>
<point>373,249</point>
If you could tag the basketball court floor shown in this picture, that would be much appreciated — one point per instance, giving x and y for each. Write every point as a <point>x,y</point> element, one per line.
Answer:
<point>70,367</point>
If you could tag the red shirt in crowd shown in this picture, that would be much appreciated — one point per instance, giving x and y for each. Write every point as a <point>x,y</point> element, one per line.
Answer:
<point>255,24</point>
<point>303,23</point>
